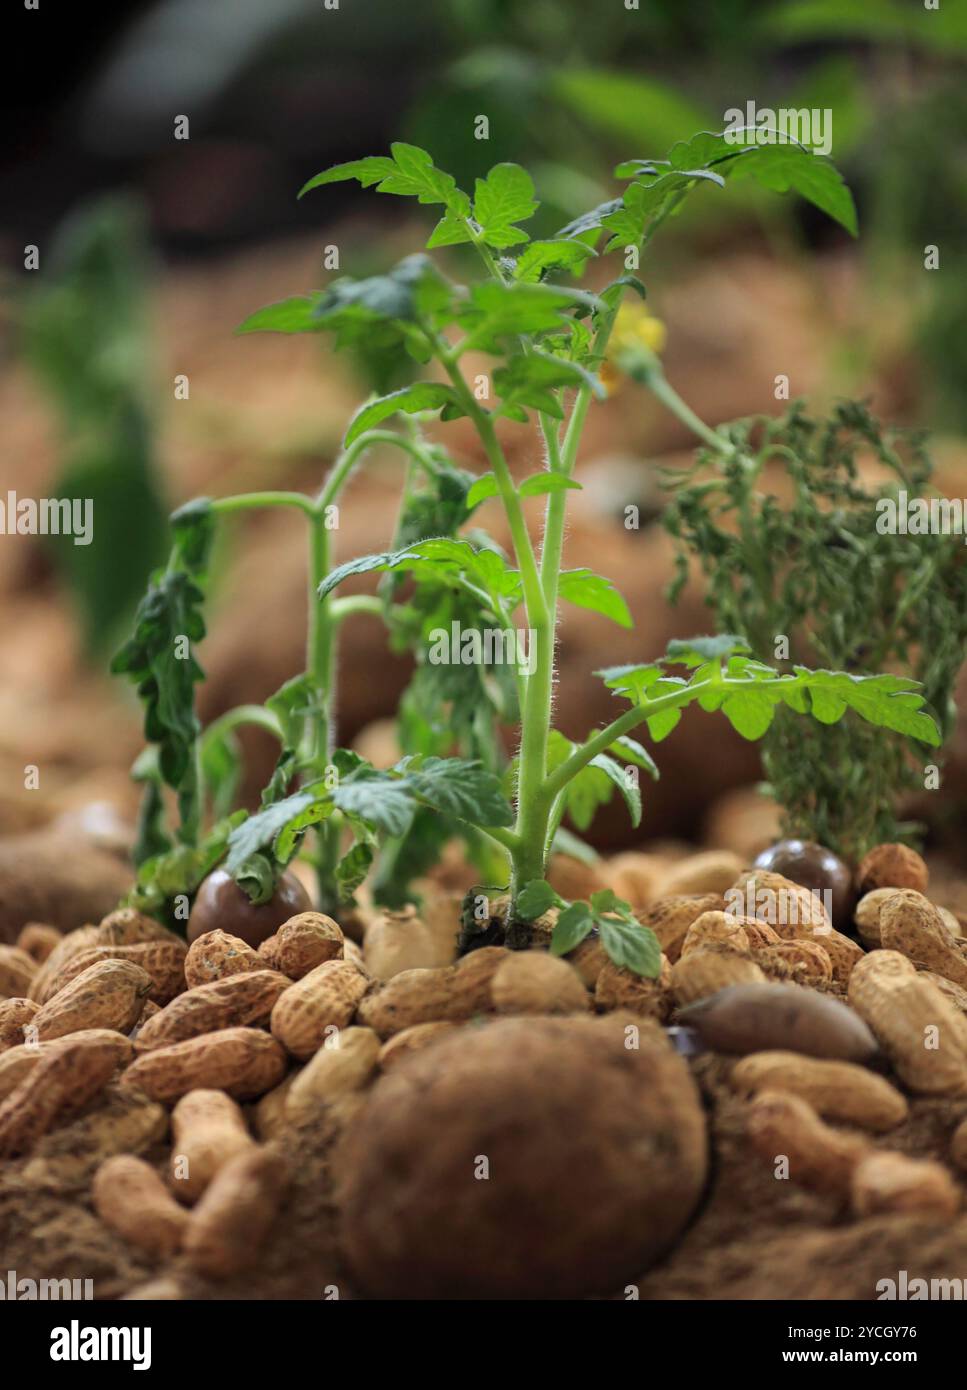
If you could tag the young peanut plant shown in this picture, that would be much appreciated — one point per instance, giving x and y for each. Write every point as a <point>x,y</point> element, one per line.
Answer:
<point>548,340</point>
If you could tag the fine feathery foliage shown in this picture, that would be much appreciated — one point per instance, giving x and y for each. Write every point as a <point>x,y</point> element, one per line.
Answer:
<point>816,577</point>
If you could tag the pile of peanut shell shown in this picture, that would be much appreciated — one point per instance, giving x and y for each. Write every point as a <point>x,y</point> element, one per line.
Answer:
<point>478,1102</point>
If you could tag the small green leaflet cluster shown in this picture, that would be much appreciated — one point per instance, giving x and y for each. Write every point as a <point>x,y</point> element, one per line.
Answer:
<point>748,692</point>
<point>595,784</point>
<point>410,307</point>
<point>408,310</point>
<point>485,574</point>
<point>709,158</point>
<point>372,803</point>
<point>626,942</point>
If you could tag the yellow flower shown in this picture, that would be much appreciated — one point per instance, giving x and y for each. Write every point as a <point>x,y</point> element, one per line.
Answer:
<point>634,327</point>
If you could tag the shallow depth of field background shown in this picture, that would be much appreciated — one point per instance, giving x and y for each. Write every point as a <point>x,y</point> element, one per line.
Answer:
<point>153,249</point>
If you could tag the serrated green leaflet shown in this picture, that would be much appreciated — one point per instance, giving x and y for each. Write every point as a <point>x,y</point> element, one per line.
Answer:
<point>542,257</point>
<point>295,315</point>
<point>573,925</point>
<point>534,899</point>
<point>503,198</point>
<point>423,395</point>
<point>585,589</point>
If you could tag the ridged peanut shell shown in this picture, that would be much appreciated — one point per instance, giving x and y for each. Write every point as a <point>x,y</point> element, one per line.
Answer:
<point>805,962</point>
<point>14,1013</point>
<point>452,993</point>
<point>835,1090</point>
<point>924,1035</point>
<point>243,1000</point>
<point>17,970</point>
<point>671,917</point>
<point>64,1080</point>
<point>701,973</point>
<point>163,962</point>
<point>245,1062</point>
<point>82,939</point>
<point>533,982</point>
<point>781,1125</point>
<point>321,1001</point>
<point>207,1130</point>
<point>303,942</point>
<point>909,923</point>
<point>217,954</point>
<point>108,994</point>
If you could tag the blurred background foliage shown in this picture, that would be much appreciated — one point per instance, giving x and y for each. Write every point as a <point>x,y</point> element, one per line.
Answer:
<point>276,92</point>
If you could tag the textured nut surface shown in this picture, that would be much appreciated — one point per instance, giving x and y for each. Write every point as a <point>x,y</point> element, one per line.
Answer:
<point>230,1223</point>
<point>617,988</point>
<point>835,1090</point>
<point>805,962</point>
<point>117,1122</point>
<point>783,1126</point>
<point>306,940</point>
<point>80,940</point>
<point>892,866</point>
<point>452,993</point>
<point>14,1014</point>
<point>108,994</point>
<point>894,1182</point>
<point>788,907</point>
<point>325,999</point>
<point>17,970</point>
<point>128,927</point>
<point>671,917</point>
<point>130,1197</point>
<point>207,1129</point>
<point>866,915</point>
<point>246,999</point>
<point>348,1065</point>
<point>413,1039</point>
<point>39,940</point>
<point>242,1061</point>
<point>217,954</point>
<point>65,1078</point>
<point>924,1035</point>
<point>764,1018</point>
<point>533,982</point>
<point>162,961</point>
<point>909,923</point>
<point>701,973</point>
